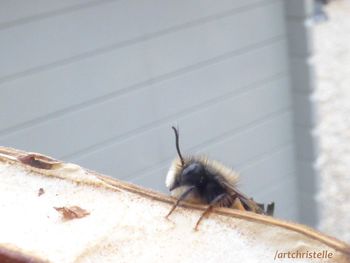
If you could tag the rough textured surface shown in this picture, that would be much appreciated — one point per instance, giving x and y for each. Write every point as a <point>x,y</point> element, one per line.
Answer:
<point>332,60</point>
<point>126,223</point>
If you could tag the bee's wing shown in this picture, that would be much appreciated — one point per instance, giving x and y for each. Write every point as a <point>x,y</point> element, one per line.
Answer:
<point>254,206</point>
<point>248,203</point>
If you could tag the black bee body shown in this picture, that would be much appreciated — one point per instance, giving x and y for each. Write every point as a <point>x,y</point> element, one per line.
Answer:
<point>204,181</point>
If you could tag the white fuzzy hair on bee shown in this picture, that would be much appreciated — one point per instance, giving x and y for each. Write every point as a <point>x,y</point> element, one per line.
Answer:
<point>200,180</point>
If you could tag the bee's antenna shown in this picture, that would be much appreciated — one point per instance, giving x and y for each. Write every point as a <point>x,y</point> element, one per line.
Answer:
<point>177,145</point>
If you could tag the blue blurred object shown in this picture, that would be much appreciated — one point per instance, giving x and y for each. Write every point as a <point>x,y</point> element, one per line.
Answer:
<point>319,13</point>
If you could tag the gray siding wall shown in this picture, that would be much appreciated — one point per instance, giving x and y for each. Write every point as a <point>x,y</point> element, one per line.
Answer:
<point>99,83</point>
<point>299,27</point>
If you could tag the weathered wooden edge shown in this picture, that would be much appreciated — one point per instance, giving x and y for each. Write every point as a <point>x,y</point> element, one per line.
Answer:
<point>11,254</point>
<point>10,155</point>
<point>303,229</point>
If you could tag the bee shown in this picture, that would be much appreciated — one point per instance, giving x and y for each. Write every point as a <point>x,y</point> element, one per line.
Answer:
<point>200,180</point>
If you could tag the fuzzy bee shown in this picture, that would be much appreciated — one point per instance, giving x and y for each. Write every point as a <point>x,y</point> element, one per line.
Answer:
<point>197,179</point>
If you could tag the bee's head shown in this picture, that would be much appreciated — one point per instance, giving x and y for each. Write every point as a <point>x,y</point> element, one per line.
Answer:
<point>192,175</point>
<point>184,172</point>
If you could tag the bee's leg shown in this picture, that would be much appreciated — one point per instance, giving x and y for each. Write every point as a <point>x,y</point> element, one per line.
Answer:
<point>261,206</point>
<point>270,208</point>
<point>237,204</point>
<point>182,197</point>
<point>213,203</point>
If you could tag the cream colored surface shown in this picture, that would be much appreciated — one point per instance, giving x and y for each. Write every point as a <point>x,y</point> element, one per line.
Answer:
<point>127,224</point>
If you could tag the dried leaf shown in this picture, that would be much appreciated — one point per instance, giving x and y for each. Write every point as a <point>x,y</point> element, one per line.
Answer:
<point>41,192</point>
<point>72,212</point>
<point>39,161</point>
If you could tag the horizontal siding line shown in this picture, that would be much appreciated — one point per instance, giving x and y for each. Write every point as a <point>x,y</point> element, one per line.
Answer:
<point>308,195</point>
<point>302,56</point>
<point>306,126</point>
<point>303,92</point>
<point>302,159</point>
<point>163,165</point>
<point>78,7</point>
<point>291,180</point>
<point>305,162</point>
<point>152,125</point>
<point>133,41</point>
<point>305,59</point>
<point>301,18</point>
<point>264,157</point>
<point>302,126</point>
<point>306,92</point>
<point>290,214</point>
<point>309,127</point>
<point>232,133</point>
<point>143,84</point>
<point>287,175</point>
<point>66,10</point>
<point>53,13</point>
<point>209,143</point>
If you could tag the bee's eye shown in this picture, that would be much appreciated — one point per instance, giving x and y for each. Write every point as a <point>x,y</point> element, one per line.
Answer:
<point>193,173</point>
